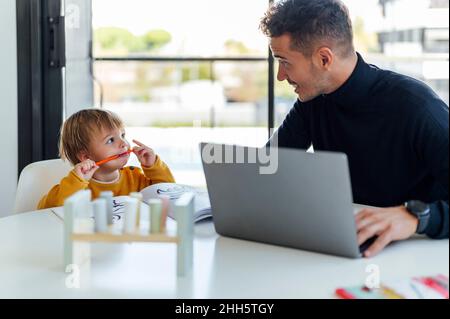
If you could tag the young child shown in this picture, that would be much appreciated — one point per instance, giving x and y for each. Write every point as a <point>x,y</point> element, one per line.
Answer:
<point>92,135</point>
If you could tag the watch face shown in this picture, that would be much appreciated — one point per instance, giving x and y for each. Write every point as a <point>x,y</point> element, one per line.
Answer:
<point>418,207</point>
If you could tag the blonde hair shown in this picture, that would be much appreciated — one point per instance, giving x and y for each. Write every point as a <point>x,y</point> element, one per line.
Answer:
<point>77,131</point>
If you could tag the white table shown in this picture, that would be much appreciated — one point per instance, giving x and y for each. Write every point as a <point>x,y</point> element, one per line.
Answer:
<point>31,266</point>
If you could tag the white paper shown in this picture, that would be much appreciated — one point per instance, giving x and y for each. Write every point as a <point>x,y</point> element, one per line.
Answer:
<point>174,191</point>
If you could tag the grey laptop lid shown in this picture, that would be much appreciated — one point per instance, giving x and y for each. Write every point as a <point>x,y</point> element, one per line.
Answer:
<point>305,203</point>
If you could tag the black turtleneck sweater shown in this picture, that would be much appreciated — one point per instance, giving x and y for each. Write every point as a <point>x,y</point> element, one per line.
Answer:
<point>394,130</point>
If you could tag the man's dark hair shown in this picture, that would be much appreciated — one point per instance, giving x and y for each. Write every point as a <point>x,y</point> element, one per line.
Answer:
<point>311,23</point>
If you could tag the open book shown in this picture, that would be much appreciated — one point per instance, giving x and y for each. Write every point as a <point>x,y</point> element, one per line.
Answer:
<point>118,209</point>
<point>174,191</point>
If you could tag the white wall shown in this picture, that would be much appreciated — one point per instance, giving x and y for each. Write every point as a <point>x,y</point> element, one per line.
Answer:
<point>8,106</point>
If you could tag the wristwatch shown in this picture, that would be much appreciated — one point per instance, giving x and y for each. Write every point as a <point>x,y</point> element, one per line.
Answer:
<point>422,211</point>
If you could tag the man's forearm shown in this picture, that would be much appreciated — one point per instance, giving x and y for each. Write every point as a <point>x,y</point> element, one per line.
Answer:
<point>438,226</point>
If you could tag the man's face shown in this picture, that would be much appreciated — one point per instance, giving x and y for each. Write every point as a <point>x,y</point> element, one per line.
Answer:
<point>297,69</point>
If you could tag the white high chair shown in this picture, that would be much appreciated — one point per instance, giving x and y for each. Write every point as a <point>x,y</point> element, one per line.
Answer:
<point>36,180</point>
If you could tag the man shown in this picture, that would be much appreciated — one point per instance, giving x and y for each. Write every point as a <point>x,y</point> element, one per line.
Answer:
<point>394,129</point>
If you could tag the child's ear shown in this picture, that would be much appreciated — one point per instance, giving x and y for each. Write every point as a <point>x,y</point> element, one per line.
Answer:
<point>82,156</point>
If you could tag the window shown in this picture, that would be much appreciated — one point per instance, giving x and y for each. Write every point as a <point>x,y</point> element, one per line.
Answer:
<point>179,77</point>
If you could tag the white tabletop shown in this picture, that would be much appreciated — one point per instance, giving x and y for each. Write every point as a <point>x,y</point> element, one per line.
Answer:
<point>31,266</point>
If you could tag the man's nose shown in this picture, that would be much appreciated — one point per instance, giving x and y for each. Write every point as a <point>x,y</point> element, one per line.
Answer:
<point>281,74</point>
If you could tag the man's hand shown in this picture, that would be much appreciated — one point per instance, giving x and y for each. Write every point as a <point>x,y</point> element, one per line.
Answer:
<point>86,169</point>
<point>389,224</point>
<point>145,154</point>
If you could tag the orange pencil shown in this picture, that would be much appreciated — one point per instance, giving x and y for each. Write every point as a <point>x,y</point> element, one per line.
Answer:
<point>112,158</point>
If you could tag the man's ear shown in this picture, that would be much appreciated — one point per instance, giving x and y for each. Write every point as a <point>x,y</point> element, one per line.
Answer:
<point>324,58</point>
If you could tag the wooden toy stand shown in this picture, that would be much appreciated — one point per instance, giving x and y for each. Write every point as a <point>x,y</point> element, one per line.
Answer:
<point>79,233</point>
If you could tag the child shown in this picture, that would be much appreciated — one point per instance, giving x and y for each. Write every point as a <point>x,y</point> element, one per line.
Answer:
<point>92,135</point>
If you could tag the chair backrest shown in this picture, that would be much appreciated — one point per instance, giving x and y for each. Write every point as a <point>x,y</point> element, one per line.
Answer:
<point>36,180</point>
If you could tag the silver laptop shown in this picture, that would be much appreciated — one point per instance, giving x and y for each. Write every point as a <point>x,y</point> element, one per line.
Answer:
<point>300,200</point>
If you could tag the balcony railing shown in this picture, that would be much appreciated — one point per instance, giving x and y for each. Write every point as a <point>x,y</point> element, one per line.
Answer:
<point>211,61</point>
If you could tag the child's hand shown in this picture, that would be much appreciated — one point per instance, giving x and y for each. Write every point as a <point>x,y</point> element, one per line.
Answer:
<point>86,169</point>
<point>145,154</point>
